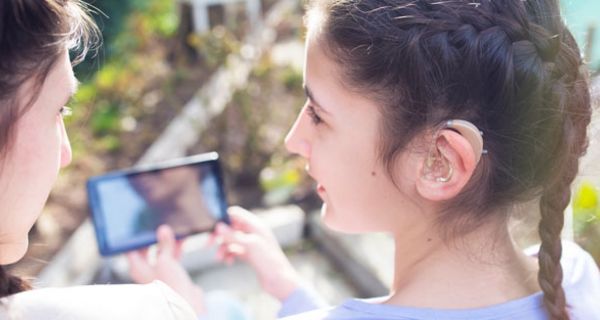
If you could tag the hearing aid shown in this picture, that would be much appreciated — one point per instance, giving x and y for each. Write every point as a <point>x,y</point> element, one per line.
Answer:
<point>437,167</point>
<point>470,132</point>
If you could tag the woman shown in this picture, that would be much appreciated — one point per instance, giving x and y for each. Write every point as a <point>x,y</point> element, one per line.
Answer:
<point>36,82</point>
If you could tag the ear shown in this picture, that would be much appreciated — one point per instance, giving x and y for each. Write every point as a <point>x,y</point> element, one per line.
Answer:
<point>444,182</point>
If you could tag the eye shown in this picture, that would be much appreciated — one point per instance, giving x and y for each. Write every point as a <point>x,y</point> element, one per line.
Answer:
<point>65,111</point>
<point>312,113</point>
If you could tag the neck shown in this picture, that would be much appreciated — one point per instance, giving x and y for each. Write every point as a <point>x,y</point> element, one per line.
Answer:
<point>457,274</point>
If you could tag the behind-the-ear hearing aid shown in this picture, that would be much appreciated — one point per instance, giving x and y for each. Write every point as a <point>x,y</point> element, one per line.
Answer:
<point>470,132</point>
<point>437,167</point>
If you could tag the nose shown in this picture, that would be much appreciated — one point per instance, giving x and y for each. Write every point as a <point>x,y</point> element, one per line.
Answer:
<point>66,154</point>
<point>297,140</point>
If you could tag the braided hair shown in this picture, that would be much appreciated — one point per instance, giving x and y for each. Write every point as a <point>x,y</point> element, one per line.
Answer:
<point>511,67</point>
<point>33,35</point>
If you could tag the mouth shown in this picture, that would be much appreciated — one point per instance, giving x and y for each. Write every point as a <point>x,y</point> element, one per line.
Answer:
<point>322,192</point>
<point>320,189</point>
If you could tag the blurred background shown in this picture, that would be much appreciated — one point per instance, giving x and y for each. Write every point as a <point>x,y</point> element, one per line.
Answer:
<point>161,56</point>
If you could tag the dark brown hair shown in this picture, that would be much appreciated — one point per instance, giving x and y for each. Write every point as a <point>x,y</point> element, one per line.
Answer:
<point>33,35</point>
<point>511,67</point>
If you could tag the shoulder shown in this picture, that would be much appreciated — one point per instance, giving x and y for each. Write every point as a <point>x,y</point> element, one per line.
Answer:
<point>581,280</point>
<point>362,309</point>
<point>579,267</point>
<point>151,301</point>
<point>332,313</point>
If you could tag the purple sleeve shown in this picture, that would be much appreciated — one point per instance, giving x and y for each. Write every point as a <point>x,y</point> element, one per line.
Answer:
<point>301,300</point>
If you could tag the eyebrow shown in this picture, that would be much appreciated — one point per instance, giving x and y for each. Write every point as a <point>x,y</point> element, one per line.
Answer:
<point>310,96</point>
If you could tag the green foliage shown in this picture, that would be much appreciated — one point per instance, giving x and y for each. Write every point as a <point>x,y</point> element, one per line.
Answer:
<point>106,119</point>
<point>214,46</point>
<point>249,134</point>
<point>133,60</point>
<point>292,79</point>
<point>280,179</point>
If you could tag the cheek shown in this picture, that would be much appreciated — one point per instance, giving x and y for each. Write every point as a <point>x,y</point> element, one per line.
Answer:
<point>32,167</point>
<point>361,195</point>
<point>40,150</point>
<point>40,154</point>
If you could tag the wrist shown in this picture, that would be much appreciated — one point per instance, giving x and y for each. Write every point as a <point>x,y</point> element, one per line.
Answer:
<point>285,286</point>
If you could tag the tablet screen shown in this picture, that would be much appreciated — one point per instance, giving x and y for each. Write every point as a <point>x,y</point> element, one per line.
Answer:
<point>128,208</point>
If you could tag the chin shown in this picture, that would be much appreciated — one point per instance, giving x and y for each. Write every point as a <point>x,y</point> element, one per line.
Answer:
<point>13,252</point>
<point>340,223</point>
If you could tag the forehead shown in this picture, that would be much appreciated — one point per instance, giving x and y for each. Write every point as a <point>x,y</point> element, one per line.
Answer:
<point>62,73</point>
<point>325,77</point>
<point>319,70</point>
<point>59,83</point>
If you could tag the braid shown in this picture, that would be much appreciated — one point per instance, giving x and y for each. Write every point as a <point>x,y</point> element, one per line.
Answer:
<point>570,96</point>
<point>11,284</point>
<point>555,199</point>
<point>552,205</point>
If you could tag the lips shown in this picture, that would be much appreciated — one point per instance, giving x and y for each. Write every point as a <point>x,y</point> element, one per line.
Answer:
<point>320,188</point>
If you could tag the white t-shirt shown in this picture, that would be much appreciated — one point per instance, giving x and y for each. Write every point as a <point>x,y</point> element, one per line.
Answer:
<point>154,301</point>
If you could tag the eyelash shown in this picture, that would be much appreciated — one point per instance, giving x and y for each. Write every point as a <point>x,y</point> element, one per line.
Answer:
<point>65,111</point>
<point>312,113</point>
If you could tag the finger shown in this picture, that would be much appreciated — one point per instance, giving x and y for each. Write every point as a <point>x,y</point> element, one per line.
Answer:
<point>166,241</point>
<point>224,233</point>
<point>220,254</point>
<point>226,251</point>
<point>236,249</point>
<point>244,220</point>
<point>139,269</point>
<point>222,228</point>
<point>144,252</point>
<point>237,237</point>
<point>178,252</point>
<point>226,257</point>
<point>223,251</point>
<point>212,239</point>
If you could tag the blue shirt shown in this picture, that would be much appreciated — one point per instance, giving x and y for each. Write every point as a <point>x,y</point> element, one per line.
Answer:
<point>581,283</point>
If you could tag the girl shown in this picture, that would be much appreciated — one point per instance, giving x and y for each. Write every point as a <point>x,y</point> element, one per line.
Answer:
<point>433,121</point>
<point>36,82</point>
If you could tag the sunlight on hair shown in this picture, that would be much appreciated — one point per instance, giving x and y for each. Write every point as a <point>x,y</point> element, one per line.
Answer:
<point>314,20</point>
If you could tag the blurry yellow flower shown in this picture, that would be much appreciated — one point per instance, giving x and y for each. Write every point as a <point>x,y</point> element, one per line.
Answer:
<point>586,197</point>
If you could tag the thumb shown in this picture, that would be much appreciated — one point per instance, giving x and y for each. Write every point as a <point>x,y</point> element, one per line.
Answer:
<point>167,245</point>
<point>139,269</point>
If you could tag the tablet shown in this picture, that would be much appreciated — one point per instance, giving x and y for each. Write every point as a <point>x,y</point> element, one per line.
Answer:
<point>128,206</point>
